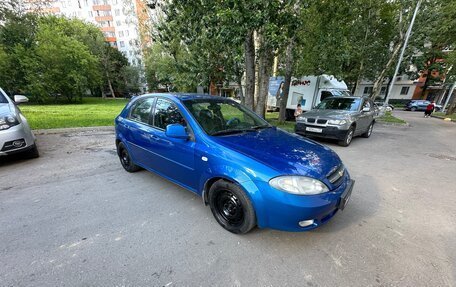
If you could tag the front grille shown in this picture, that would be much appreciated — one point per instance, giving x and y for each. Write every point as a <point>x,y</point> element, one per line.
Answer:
<point>320,121</point>
<point>13,145</point>
<point>336,174</point>
<point>311,120</point>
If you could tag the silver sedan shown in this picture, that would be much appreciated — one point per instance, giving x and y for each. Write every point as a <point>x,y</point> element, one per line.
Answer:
<point>15,133</point>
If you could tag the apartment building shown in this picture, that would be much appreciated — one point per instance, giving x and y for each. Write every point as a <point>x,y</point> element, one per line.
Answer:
<point>124,23</point>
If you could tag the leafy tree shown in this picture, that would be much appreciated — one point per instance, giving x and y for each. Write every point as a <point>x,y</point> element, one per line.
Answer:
<point>59,65</point>
<point>431,42</point>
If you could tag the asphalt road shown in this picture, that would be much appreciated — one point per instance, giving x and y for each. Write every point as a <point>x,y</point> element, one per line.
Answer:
<point>74,217</point>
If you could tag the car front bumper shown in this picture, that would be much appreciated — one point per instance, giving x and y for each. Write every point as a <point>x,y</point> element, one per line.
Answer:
<point>16,134</point>
<point>330,132</point>
<point>284,211</point>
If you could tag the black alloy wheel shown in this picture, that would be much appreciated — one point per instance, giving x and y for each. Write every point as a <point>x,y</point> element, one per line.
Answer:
<point>125,159</point>
<point>231,207</point>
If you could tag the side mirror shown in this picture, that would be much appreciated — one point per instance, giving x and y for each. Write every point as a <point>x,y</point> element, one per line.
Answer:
<point>366,109</point>
<point>20,99</point>
<point>176,131</point>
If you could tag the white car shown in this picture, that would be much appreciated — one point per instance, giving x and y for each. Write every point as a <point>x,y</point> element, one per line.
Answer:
<point>15,133</point>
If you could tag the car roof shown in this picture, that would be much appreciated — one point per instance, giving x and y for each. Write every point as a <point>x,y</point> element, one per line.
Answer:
<point>347,97</point>
<point>185,96</point>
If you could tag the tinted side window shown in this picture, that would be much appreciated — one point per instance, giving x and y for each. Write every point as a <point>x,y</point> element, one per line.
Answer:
<point>366,104</point>
<point>167,113</point>
<point>141,110</point>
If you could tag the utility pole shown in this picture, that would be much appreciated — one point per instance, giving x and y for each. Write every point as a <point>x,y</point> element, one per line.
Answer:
<point>448,97</point>
<point>407,36</point>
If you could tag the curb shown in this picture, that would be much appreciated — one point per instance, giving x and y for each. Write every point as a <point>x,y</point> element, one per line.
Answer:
<point>72,130</point>
<point>392,124</point>
<point>443,118</point>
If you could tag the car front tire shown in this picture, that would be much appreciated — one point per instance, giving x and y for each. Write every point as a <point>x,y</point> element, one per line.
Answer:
<point>413,109</point>
<point>125,159</point>
<point>348,137</point>
<point>231,207</point>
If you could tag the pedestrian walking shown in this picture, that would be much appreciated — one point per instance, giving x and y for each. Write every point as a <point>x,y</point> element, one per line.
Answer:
<point>298,111</point>
<point>429,109</point>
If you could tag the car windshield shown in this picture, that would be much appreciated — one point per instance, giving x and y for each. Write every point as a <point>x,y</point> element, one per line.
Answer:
<point>220,116</point>
<point>346,104</point>
<point>2,97</point>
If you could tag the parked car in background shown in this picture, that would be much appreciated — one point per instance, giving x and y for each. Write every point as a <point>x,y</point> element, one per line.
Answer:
<point>420,105</point>
<point>381,104</point>
<point>15,133</point>
<point>340,118</point>
<point>249,172</point>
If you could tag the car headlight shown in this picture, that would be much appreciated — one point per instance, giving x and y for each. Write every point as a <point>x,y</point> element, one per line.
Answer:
<point>8,121</point>
<point>337,122</point>
<point>300,185</point>
<point>302,119</point>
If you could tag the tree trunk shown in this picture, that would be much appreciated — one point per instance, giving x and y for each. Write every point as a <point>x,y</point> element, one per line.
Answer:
<point>257,40</point>
<point>287,83</point>
<point>241,92</point>
<point>110,85</point>
<point>249,47</point>
<point>379,80</point>
<point>264,71</point>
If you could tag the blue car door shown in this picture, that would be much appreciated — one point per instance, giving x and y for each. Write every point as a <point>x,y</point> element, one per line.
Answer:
<point>139,131</point>
<point>175,158</point>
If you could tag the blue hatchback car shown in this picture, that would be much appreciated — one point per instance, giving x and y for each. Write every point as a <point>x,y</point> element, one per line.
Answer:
<point>249,172</point>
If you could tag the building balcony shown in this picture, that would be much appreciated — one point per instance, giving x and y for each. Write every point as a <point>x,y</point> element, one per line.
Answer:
<point>103,18</point>
<point>110,39</point>
<point>108,29</point>
<point>101,7</point>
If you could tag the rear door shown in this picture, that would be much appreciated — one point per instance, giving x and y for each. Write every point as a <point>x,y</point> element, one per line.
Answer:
<point>139,131</point>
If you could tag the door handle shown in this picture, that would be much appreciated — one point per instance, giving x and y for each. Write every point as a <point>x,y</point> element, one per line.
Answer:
<point>154,137</point>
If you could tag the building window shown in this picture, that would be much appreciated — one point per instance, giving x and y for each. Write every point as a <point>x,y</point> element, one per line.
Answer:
<point>404,91</point>
<point>367,90</point>
<point>90,14</point>
<point>127,33</point>
<point>382,90</point>
<point>122,44</point>
<point>118,23</point>
<point>121,34</point>
<point>117,12</point>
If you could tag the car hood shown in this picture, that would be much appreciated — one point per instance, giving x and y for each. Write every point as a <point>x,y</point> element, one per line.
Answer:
<point>329,114</point>
<point>4,109</point>
<point>284,152</point>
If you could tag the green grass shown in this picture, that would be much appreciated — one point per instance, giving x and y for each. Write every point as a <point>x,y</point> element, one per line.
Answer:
<point>91,112</point>
<point>94,112</point>
<point>273,119</point>
<point>452,116</point>
<point>389,118</point>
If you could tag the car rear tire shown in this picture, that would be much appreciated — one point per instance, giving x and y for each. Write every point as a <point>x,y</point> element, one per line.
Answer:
<point>348,137</point>
<point>413,109</point>
<point>33,152</point>
<point>369,131</point>
<point>231,207</point>
<point>125,159</point>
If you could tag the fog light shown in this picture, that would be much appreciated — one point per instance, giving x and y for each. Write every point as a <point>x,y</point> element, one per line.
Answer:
<point>18,143</point>
<point>305,223</point>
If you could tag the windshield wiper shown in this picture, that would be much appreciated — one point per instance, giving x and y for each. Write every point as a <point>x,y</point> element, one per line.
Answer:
<point>261,127</point>
<point>231,131</point>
